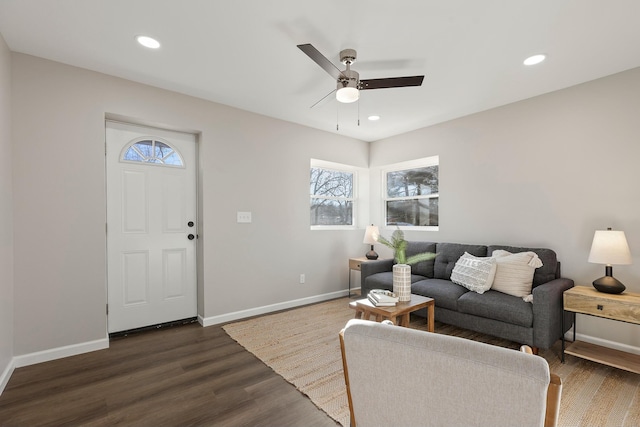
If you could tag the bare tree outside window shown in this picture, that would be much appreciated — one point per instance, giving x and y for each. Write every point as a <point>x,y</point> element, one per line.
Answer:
<point>412,197</point>
<point>331,197</point>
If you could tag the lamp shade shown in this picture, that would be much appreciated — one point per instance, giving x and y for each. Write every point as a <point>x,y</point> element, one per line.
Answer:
<point>371,235</point>
<point>610,247</point>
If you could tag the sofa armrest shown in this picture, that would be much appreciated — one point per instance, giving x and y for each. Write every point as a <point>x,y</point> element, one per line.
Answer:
<point>548,312</point>
<point>368,268</point>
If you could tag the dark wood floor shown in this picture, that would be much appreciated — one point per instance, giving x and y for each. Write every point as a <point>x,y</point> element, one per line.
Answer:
<point>179,376</point>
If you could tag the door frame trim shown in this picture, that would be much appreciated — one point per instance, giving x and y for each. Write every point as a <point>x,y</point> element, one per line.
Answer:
<point>127,120</point>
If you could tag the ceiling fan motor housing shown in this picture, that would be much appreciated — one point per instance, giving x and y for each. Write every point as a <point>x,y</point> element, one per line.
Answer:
<point>352,79</point>
<point>348,86</point>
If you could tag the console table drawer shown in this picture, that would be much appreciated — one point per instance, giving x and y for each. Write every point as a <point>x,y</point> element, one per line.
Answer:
<point>623,307</point>
<point>354,263</point>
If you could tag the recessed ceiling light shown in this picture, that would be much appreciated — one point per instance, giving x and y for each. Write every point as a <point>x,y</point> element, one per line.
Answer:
<point>535,59</point>
<point>149,42</point>
<point>374,117</point>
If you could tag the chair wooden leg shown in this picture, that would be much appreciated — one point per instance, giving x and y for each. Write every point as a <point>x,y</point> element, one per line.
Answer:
<point>554,392</point>
<point>346,379</point>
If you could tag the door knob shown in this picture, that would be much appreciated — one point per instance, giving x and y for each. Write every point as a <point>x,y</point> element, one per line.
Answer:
<point>191,237</point>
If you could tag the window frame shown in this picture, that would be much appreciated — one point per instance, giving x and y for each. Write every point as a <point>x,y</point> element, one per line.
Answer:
<point>355,200</point>
<point>411,164</point>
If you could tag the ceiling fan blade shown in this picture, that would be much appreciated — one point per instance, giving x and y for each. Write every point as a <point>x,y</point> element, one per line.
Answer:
<point>390,82</point>
<point>323,98</point>
<point>321,60</point>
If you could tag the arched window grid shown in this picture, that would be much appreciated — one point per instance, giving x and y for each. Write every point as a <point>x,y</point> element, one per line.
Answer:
<point>152,151</point>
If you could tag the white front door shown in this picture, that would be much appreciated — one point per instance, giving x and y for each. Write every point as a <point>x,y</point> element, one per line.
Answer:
<point>151,226</point>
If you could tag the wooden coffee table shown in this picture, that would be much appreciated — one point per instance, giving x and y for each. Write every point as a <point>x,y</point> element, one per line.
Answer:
<point>398,313</point>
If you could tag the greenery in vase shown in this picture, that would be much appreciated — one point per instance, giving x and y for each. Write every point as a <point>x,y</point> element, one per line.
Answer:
<point>399,245</point>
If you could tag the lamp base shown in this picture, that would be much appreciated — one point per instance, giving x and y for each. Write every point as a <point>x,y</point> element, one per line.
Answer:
<point>371,254</point>
<point>608,285</point>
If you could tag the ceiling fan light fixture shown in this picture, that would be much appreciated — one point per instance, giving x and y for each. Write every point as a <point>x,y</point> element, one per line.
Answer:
<point>347,94</point>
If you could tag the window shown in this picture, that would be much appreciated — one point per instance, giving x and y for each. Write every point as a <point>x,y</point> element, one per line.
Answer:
<point>332,192</point>
<point>411,193</point>
<point>153,152</point>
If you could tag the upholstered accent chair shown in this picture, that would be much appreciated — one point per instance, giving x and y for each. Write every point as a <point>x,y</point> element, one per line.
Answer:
<point>406,377</point>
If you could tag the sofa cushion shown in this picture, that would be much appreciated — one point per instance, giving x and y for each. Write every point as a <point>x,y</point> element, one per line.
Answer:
<point>498,306</point>
<point>544,274</point>
<point>444,292</point>
<point>474,273</point>
<point>448,255</point>
<point>424,268</point>
<point>385,280</point>
<point>514,273</point>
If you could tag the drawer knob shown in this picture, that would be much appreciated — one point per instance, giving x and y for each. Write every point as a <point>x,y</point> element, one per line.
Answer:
<point>600,307</point>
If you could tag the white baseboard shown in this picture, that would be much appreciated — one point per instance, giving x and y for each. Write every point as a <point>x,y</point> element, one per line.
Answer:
<point>257,311</point>
<point>604,343</point>
<point>72,350</point>
<point>60,352</point>
<point>86,347</point>
<point>6,374</point>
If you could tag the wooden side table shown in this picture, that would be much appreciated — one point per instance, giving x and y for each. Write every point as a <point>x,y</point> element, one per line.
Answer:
<point>623,307</point>
<point>354,264</point>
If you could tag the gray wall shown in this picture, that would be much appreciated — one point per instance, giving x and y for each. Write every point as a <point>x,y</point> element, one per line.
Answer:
<point>6,213</point>
<point>547,172</point>
<point>248,162</point>
<point>543,172</point>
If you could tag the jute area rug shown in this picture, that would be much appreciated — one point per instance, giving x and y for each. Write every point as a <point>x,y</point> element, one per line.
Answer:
<point>302,346</point>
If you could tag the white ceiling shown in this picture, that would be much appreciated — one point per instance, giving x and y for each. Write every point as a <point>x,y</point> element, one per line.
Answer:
<point>243,53</point>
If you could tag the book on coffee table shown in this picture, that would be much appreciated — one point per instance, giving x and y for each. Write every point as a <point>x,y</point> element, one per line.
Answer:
<point>376,303</point>
<point>383,295</point>
<point>382,298</point>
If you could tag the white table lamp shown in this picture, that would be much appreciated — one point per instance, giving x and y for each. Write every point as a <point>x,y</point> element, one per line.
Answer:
<point>371,238</point>
<point>609,247</point>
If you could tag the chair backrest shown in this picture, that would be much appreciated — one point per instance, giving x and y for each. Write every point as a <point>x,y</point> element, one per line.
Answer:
<point>405,377</point>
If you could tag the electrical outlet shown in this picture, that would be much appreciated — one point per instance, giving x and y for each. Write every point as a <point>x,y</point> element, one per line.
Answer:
<point>244,217</point>
<point>302,278</point>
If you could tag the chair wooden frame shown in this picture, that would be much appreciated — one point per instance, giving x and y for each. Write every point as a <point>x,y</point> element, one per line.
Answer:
<point>554,390</point>
<point>554,393</point>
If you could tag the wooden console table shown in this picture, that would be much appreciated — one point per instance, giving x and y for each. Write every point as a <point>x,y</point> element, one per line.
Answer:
<point>623,307</point>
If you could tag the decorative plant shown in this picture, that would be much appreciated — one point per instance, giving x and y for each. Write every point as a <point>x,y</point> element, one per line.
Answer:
<point>399,245</point>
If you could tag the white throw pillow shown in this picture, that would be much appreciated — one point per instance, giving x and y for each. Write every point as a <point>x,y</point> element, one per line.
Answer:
<point>474,273</point>
<point>514,272</point>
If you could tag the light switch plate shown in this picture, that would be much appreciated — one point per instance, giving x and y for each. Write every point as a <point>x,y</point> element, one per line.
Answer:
<point>244,217</point>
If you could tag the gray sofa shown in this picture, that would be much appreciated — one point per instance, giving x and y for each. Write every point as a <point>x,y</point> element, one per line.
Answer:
<point>537,324</point>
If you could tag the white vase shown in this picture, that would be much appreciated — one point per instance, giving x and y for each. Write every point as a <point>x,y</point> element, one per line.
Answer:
<point>402,282</point>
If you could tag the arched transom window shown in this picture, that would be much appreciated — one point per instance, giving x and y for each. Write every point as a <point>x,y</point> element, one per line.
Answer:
<point>152,151</point>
